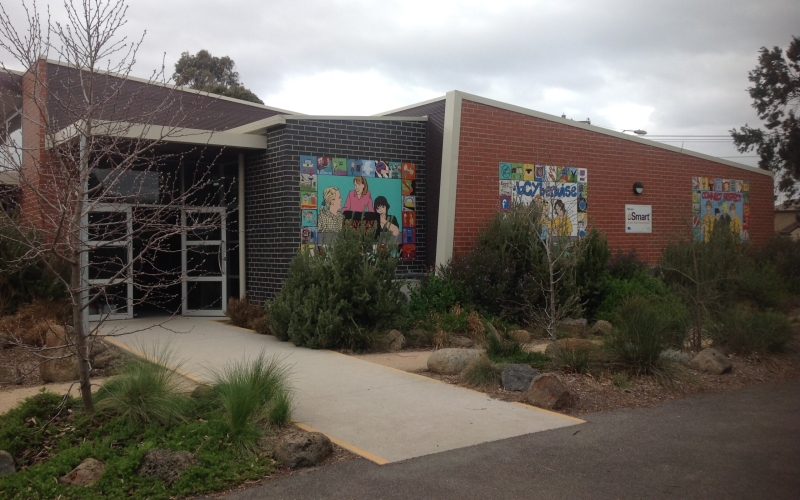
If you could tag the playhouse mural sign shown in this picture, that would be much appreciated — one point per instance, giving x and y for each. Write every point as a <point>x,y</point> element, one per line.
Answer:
<point>562,193</point>
<point>720,201</point>
<point>369,193</point>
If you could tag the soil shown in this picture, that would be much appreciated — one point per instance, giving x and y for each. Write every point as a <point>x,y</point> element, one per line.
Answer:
<point>597,392</point>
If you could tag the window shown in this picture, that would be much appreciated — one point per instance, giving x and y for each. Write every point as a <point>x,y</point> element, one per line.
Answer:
<point>11,143</point>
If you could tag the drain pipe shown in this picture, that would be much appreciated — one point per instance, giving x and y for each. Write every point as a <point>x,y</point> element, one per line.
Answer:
<point>242,267</point>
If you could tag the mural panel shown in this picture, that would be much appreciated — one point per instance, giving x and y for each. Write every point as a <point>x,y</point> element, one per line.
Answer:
<point>369,193</point>
<point>720,201</point>
<point>561,191</point>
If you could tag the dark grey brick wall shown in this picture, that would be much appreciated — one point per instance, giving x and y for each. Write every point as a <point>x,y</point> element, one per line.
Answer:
<point>433,159</point>
<point>272,191</point>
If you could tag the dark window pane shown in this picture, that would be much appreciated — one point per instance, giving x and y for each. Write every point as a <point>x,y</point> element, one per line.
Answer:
<point>108,226</point>
<point>203,226</point>
<point>107,262</point>
<point>203,260</point>
<point>204,295</point>
<point>112,299</point>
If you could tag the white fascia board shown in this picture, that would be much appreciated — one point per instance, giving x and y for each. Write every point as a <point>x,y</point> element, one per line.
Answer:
<point>605,131</point>
<point>261,126</point>
<point>167,134</point>
<point>178,87</point>
<point>449,178</point>
<point>429,101</point>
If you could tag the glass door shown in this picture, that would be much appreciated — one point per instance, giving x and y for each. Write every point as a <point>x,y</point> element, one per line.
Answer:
<point>204,261</point>
<point>109,263</point>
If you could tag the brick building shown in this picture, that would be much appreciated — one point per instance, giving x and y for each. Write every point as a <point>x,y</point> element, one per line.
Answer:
<point>431,174</point>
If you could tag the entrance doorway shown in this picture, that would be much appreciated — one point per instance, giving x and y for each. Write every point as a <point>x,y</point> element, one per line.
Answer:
<point>204,261</point>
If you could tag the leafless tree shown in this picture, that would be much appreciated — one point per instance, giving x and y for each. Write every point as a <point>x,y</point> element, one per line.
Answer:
<point>103,178</point>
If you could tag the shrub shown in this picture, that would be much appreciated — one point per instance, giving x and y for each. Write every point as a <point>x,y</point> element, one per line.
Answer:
<point>762,285</point>
<point>783,254</point>
<point>339,299</point>
<point>643,329</point>
<point>144,391</point>
<point>744,331</point>
<point>575,358</point>
<point>591,271</point>
<point>626,265</point>
<point>435,294</point>
<point>243,313</point>
<point>253,395</point>
<point>482,374</point>
<point>641,284</point>
<point>453,322</point>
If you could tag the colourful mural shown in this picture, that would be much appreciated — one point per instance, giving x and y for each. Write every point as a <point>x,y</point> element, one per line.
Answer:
<point>369,193</point>
<point>562,192</point>
<point>720,201</point>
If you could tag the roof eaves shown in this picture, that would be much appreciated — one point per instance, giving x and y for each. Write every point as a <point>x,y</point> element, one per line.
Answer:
<point>423,103</point>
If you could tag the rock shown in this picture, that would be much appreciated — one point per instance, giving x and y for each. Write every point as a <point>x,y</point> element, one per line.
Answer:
<point>70,329</point>
<point>395,340</point>
<point>202,391</point>
<point>62,368</point>
<point>711,361</point>
<point>571,328</point>
<point>452,361</point>
<point>86,473</point>
<point>521,336</point>
<point>166,465</point>
<point>55,336</point>
<point>461,342</point>
<point>677,356</point>
<point>549,392</point>
<point>302,449</point>
<point>569,345</point>
<point>106,359</point>
<point>601,328</point>
<point>6,463</point>
<point>517,377</point>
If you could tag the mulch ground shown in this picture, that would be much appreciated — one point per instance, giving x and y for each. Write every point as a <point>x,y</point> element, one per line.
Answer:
<point>596,392</point>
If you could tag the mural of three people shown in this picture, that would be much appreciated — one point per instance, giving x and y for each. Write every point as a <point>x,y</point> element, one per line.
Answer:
<point>369,193</point>
<point>720,202</point>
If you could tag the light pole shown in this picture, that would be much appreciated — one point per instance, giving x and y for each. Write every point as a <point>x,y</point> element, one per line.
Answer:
<point>637,131</point>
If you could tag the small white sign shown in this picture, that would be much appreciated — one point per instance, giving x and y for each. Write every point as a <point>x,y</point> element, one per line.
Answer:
<point>638,218</point>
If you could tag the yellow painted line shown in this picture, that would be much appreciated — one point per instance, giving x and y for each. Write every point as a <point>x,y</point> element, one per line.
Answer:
<point>347,446</point>
<point>575,419</point>
<point>139,353</point>
<point>464,388</point>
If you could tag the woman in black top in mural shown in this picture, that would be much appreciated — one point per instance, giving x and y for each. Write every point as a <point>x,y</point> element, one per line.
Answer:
<point>387,222</point>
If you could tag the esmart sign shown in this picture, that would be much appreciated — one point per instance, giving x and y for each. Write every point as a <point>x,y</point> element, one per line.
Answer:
<point>638,218</point>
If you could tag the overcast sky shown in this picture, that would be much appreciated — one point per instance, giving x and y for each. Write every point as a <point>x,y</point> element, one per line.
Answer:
<point>676,67</point>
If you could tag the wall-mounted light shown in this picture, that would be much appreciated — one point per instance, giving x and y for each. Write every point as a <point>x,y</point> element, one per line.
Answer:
<point>638,188</point>
<point>637,131</point>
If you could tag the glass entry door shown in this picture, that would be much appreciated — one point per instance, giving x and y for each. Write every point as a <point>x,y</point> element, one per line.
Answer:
<point>203,261</point>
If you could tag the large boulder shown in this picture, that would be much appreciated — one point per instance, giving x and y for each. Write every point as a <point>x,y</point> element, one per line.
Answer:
<point>711,361</point>
<point>517,377</point>
<point>106,359</point>
<point>395,340</point>
<point>302,449</point>
<point>86,473</point>
<point>571,328</point>
<point>601,328</point>
<point>549,392</point>
<point>6,463</point>
<point>569,345</point>
<point>60,367</point>
<point>521,336</point>
<point>166,465</point>
<point>452,361</point>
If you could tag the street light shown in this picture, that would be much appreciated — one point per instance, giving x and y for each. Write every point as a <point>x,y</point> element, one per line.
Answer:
<point>637,131</point>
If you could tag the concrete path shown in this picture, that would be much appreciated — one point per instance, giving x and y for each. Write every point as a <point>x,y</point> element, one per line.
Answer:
<point>380,413</point>
<point>739,444</point>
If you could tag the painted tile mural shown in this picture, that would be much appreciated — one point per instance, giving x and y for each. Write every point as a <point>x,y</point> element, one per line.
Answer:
<point>337,191</point>
<point>720,201</point>
<point>562,191</point>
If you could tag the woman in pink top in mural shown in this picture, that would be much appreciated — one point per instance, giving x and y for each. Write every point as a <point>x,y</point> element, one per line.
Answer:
<point>358,200</point>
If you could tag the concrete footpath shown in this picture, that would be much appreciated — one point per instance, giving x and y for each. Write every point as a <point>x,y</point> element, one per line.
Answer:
<point>380,413</point>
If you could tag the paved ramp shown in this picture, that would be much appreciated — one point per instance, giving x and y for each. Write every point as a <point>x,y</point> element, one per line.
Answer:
<point>383,414</point>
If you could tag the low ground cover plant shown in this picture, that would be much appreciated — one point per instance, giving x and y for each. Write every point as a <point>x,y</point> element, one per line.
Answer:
<point>246,314</point>
<point>49,435</point>
<point>745,330</point>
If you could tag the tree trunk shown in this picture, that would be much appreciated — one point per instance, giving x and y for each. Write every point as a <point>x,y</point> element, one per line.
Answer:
<point>81,346</point>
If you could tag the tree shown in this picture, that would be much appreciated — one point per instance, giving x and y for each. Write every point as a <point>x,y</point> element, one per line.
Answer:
<point>211,74</point>
<point>88,193</point>
<point>776,96</point>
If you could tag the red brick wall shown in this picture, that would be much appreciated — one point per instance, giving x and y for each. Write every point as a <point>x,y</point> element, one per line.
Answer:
<point>491,135</point>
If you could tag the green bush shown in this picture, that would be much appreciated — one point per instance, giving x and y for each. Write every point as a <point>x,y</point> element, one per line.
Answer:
<point>435,294</point>
<point>253,394</point>
<point>640,284</point>
<point>762,285</point>
<point>504,351</point>
<point>643,329</point>
<point>591,271</point>
<point>576,359</point>
<point>144,391</point>
<point>745,331</point>
<point>626,265</point>
<point>783,254</point>
<point>340,299</point>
